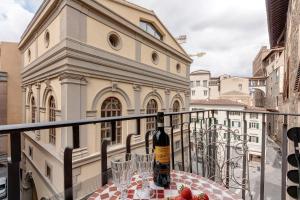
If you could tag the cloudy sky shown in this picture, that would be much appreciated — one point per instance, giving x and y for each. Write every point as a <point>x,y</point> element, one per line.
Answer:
<point>230,31</point>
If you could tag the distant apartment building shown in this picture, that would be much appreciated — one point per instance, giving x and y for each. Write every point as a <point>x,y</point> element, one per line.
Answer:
<point>91,59</point>
<point>239,89</point>
<point>254,122</point>
<point>10,90</point>
<point>200,88</point>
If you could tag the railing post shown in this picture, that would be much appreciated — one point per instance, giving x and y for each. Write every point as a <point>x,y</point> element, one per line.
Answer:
<point>284,158</point>
<point>76,142</point>
<point>128,139</point>
<point>196,142</point>
<point>14,166</point>
<point>189,135</point>
<point>68,175</point>
<point>228,150</point>
<point>104,174</point>
<point>181,137</point>
<point>214,147</point>
<point>263,158</point>
<point>172,141</point>
<point>113,125</point>
<point>244,157</point>
<point>148,133</point>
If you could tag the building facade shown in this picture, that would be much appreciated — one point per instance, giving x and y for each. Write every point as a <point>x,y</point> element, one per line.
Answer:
<point>10,91</point>
<point>200,87</point>
<point>249,91</point>
<point>257,65</point>
<point>254,122</point>
<point>90,59</point>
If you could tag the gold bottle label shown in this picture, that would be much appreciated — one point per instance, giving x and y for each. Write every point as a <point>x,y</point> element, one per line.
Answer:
<point>162,154</point>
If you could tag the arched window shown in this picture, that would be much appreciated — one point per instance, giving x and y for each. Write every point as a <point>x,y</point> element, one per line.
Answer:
<point>33,110</point>
<point>151,109</point>
<point>176,108</point>
<point>52,133</point>
<point>111,107</point>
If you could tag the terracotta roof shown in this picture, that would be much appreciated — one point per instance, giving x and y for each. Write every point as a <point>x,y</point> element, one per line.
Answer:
<point>224,102</point>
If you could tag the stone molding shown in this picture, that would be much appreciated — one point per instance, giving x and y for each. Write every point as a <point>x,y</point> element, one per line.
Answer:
<point>73,56</point>
<point>110,89</point>
<point>150,95</point>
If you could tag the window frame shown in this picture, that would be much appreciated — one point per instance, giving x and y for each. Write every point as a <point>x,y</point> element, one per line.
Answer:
<point>111,107</point>
<point>151,108</point>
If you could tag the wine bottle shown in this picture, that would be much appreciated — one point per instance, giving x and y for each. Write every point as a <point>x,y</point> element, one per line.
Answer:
<point>161,147</point>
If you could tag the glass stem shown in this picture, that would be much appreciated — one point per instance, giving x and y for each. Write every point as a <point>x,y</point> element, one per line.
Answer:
<point>123,193</point>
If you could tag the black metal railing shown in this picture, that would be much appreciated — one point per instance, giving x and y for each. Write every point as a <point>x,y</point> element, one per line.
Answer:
<point>204,140</point>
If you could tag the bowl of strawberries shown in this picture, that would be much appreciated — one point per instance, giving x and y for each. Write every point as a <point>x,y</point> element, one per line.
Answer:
<point>185,193</point>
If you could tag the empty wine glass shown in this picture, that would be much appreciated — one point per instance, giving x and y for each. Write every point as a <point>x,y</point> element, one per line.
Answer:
<point>122,171</point>
<point>144,165</point>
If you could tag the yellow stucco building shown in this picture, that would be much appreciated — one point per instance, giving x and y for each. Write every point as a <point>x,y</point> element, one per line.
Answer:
<point>87,59</point>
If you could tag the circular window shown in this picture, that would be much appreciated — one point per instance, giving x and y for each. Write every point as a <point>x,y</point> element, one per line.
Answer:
<point>114,41</point>
<point>178,68</point>
<point>155,58</point>
<point>29,55</point>
<point>47,39</point>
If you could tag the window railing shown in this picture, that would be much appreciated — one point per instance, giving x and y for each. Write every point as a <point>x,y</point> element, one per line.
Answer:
<point>198,145</point>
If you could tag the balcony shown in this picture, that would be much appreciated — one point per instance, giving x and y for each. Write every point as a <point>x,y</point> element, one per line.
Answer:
<point>238,153</point>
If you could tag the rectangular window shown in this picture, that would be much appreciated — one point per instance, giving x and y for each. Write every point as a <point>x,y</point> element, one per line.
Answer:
<point>197,83</point>
<point>235,113</point>
<point>205,83</point>
<point>240,87</point>
<point>205,92</point>
<point>254,125</point>
<point>253,139</point>
<point>192,83</point>
<point>235,124</point>
<point>193,92</point>
<point>30,152</point>
<point>48,172</point>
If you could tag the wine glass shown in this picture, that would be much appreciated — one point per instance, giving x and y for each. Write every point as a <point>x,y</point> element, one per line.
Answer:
<point>122,171</point>
<point>144,165</point>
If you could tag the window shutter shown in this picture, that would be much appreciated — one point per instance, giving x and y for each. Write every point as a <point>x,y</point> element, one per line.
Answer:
<point>239,124</point>
<point>257,125</point>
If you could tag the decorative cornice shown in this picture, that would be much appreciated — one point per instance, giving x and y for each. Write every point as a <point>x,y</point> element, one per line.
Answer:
<point>67,77</point>
<point>187,93</point>
<point>136,88</point>
<point>167,91</point>
<point>114,86</point>
<point>38,85</point>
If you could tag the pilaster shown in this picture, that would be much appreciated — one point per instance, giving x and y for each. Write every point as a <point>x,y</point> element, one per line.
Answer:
<point>73,106</point>
<point>137,98</point>
<point>38,106</point>
<point>167,99</point>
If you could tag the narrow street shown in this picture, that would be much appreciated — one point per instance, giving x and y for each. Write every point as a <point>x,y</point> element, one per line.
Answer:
<point>272,173</point>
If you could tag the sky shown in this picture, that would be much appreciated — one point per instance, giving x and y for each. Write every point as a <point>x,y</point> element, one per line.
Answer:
<point>231,32</point>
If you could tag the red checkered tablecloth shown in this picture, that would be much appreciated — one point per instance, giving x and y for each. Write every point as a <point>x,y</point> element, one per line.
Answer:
<point>197,183</point>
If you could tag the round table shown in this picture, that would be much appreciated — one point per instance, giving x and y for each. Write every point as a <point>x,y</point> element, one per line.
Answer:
<point>197,184</point>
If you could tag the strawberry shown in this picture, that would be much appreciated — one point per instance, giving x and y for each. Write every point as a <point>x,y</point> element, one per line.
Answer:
<point>203,196</point>
<point>186,193</point>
